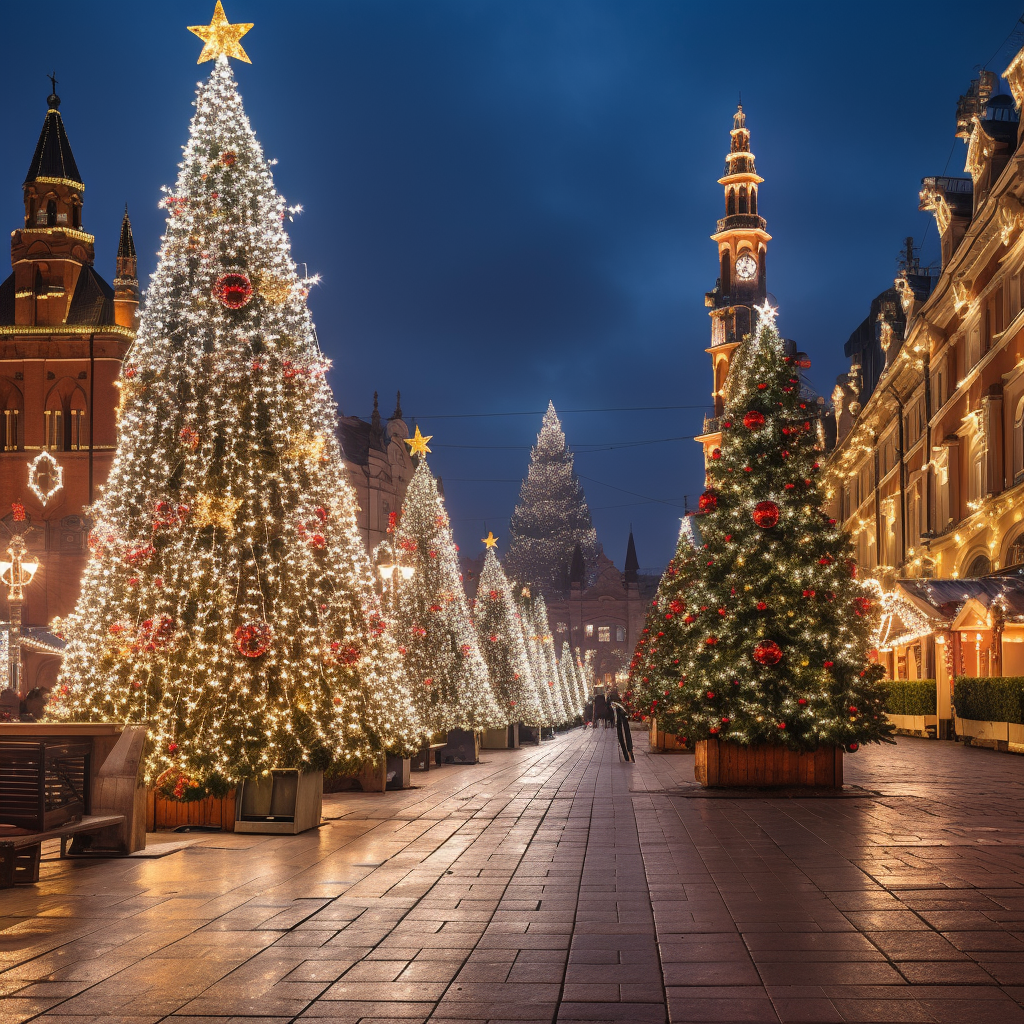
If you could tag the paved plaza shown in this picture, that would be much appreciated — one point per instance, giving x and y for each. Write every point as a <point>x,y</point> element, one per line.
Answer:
<point>556,884</point>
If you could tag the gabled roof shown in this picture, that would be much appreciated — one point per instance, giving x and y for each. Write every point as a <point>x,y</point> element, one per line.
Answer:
<point>53,157</point>
<point>945,598</point>
<point>357,437</point>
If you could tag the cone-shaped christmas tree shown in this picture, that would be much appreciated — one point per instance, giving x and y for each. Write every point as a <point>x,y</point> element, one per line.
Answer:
<point>430,614</point>
<point>570,682</point>
<point>552,515</point>
<point>540,647</point>
<point>766,627</point>
<point>228,600</point>
<point>497,620</point>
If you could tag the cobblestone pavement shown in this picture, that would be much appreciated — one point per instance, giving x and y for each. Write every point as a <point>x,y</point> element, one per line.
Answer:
<point>557,884</point>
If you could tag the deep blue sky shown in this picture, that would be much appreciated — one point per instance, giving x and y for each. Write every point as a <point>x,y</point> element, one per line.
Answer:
<point>511,201</point>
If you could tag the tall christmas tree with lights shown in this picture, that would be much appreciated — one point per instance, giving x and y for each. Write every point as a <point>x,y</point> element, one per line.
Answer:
<point>498,624</point>
<point>540,647</point>
<point>764,633</point>
<point>552,515</point>
<point>228,600</point>
<point>429,611</point>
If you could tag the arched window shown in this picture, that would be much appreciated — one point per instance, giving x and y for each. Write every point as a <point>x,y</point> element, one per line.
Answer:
<point>730,202</point>
<point>743,198</point>
<point>51,213</point>
<point>10,425</point>
<point>1018,443</point>
<point>1015,552</point>
<point>65,417</point>
<point>76,215</point>
<point>979,566</point>
<point>753,200</point>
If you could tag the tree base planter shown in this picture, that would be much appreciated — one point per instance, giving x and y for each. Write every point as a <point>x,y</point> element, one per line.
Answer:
<point>501,739</point>
<point>662,742</point>
<point>165,814</point>
<point>529,734</point>
<point>729,764</point>
<point>548,732</point>
<point>463,747</point>
<point>424,758</point>
<point>285,802</point>
<point>396,772</point>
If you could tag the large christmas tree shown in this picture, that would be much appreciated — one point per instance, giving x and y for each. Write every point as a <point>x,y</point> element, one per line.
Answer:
<point>540,647</point>
<point>430,614</point>
<point>552,515</point>
<point>228,600</point>
<point>765,628</point>
<point>498,625</point>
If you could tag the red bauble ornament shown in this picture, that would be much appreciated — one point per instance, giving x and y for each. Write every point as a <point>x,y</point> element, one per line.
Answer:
<point>768,652</point>
<point>765,514</point>
<point>708,501</point>
<point>350,655</point>
<point>852,748</point>
<point>253,639</point>
<point>227,158</point>
<point>677,607</point>
<point>233,290</point>
<point>716,453</point>
<point>753,420</point>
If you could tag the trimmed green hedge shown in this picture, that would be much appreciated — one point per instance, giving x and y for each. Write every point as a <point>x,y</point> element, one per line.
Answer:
<point>911,697</point>
<point>990,700</point>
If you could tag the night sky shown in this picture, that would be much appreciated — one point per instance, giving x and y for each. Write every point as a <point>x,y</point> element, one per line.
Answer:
<point>510,202</point>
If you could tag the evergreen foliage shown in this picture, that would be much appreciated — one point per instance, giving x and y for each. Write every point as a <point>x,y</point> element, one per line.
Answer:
<point>552,515</point>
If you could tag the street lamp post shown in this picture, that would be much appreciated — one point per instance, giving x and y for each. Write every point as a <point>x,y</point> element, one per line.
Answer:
<point>16,574</point>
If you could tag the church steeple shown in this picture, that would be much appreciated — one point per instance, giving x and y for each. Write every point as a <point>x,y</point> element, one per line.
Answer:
<point>742,238</point>
<point>126,278</point>
<point>53,185</point>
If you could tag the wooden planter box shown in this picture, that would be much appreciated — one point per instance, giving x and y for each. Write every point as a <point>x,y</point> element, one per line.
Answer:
<point>667,742</point>
<point>501,739</point>
<point>285,802</point>
<point>915,725</point>
<point>163,814</point>
<point>463,747</point>
<point>529,734</point>
<point>729,764</point>
<point>994,735</point>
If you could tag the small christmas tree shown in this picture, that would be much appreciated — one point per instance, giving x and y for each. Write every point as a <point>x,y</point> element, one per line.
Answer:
<point>766,628</point>
<point>439,646</point>
<point>540,646</point>
<point>497,620</point>
<point>571,684</point>
<point>552,515</point>
<point>229,601</point>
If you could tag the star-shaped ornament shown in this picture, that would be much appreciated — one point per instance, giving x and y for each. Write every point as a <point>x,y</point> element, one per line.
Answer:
<point>211,510</point>
<point>418,443</point>
<point>490,540</point>
<point>219,37</point>
<point>767,312</point>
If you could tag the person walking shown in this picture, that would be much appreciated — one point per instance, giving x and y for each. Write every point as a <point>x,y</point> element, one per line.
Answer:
<point>620,718</point>
<point>588,714</point>
<point>600,709</point>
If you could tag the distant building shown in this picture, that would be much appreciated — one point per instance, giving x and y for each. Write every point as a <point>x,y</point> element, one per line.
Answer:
<point>63,334</point>
<point>379,468</point>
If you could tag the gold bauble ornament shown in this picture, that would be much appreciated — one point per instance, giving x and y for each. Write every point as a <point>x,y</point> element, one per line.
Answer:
<point>307,446</point>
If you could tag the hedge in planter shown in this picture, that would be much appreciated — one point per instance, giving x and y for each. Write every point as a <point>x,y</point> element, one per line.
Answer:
<point>911,697</point>
<point>990,700</point>
<point>761,629</point>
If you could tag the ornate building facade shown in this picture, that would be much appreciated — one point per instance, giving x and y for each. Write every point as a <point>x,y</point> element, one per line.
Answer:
<point>928,470</point>
<point>63,334</point>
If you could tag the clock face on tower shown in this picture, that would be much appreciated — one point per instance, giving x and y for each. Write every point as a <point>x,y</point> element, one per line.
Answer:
<point>746,267</point>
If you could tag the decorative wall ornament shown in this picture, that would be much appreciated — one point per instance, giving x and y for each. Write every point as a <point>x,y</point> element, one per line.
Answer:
<point>45,476</point>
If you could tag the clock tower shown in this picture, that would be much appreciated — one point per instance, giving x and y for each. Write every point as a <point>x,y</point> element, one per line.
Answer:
<point>742,246</point>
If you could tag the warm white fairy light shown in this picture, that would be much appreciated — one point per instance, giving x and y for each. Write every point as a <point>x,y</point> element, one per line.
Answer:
<point>44,467</point>
<point>227,507</point>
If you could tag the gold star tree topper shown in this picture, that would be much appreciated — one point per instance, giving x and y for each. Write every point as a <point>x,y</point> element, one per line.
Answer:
<point>418,443</point>
<point>490,540</point>
<point>219,37</point>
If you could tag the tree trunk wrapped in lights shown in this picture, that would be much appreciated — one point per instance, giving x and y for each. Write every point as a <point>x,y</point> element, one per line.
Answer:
<point>228,600</point>
<point>439,647</point>
<point>763,628</point>
<point>497,619</point>
<point>552,515</point>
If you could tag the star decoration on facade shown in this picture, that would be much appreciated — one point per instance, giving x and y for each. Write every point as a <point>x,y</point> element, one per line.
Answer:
<point>418,443</point>
<point>490,541</point>
<point>767,313</point>
<point>210,510</point>
<point>219,37</point>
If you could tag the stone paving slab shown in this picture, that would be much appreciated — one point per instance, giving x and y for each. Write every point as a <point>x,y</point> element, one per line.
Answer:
<point>557,884</point>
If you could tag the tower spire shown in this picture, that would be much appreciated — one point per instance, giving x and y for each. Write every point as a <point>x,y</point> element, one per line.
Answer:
<point>126,277</point>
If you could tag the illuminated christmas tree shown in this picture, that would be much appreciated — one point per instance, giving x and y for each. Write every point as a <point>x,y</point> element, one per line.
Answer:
<point>430,614</point>
<point>764,627</point>
<point>571,668</point>
<point>498,624</point>
<point>540,647</point>
<point>552,515</point>
<point>228,600</point>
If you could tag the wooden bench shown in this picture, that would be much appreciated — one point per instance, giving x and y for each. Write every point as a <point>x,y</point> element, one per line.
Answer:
<point>423,759</point>
<point>114,822</point>
<point>20,849</point>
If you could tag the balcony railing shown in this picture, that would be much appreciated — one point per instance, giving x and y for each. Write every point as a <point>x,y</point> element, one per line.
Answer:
<point>742,220</point>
